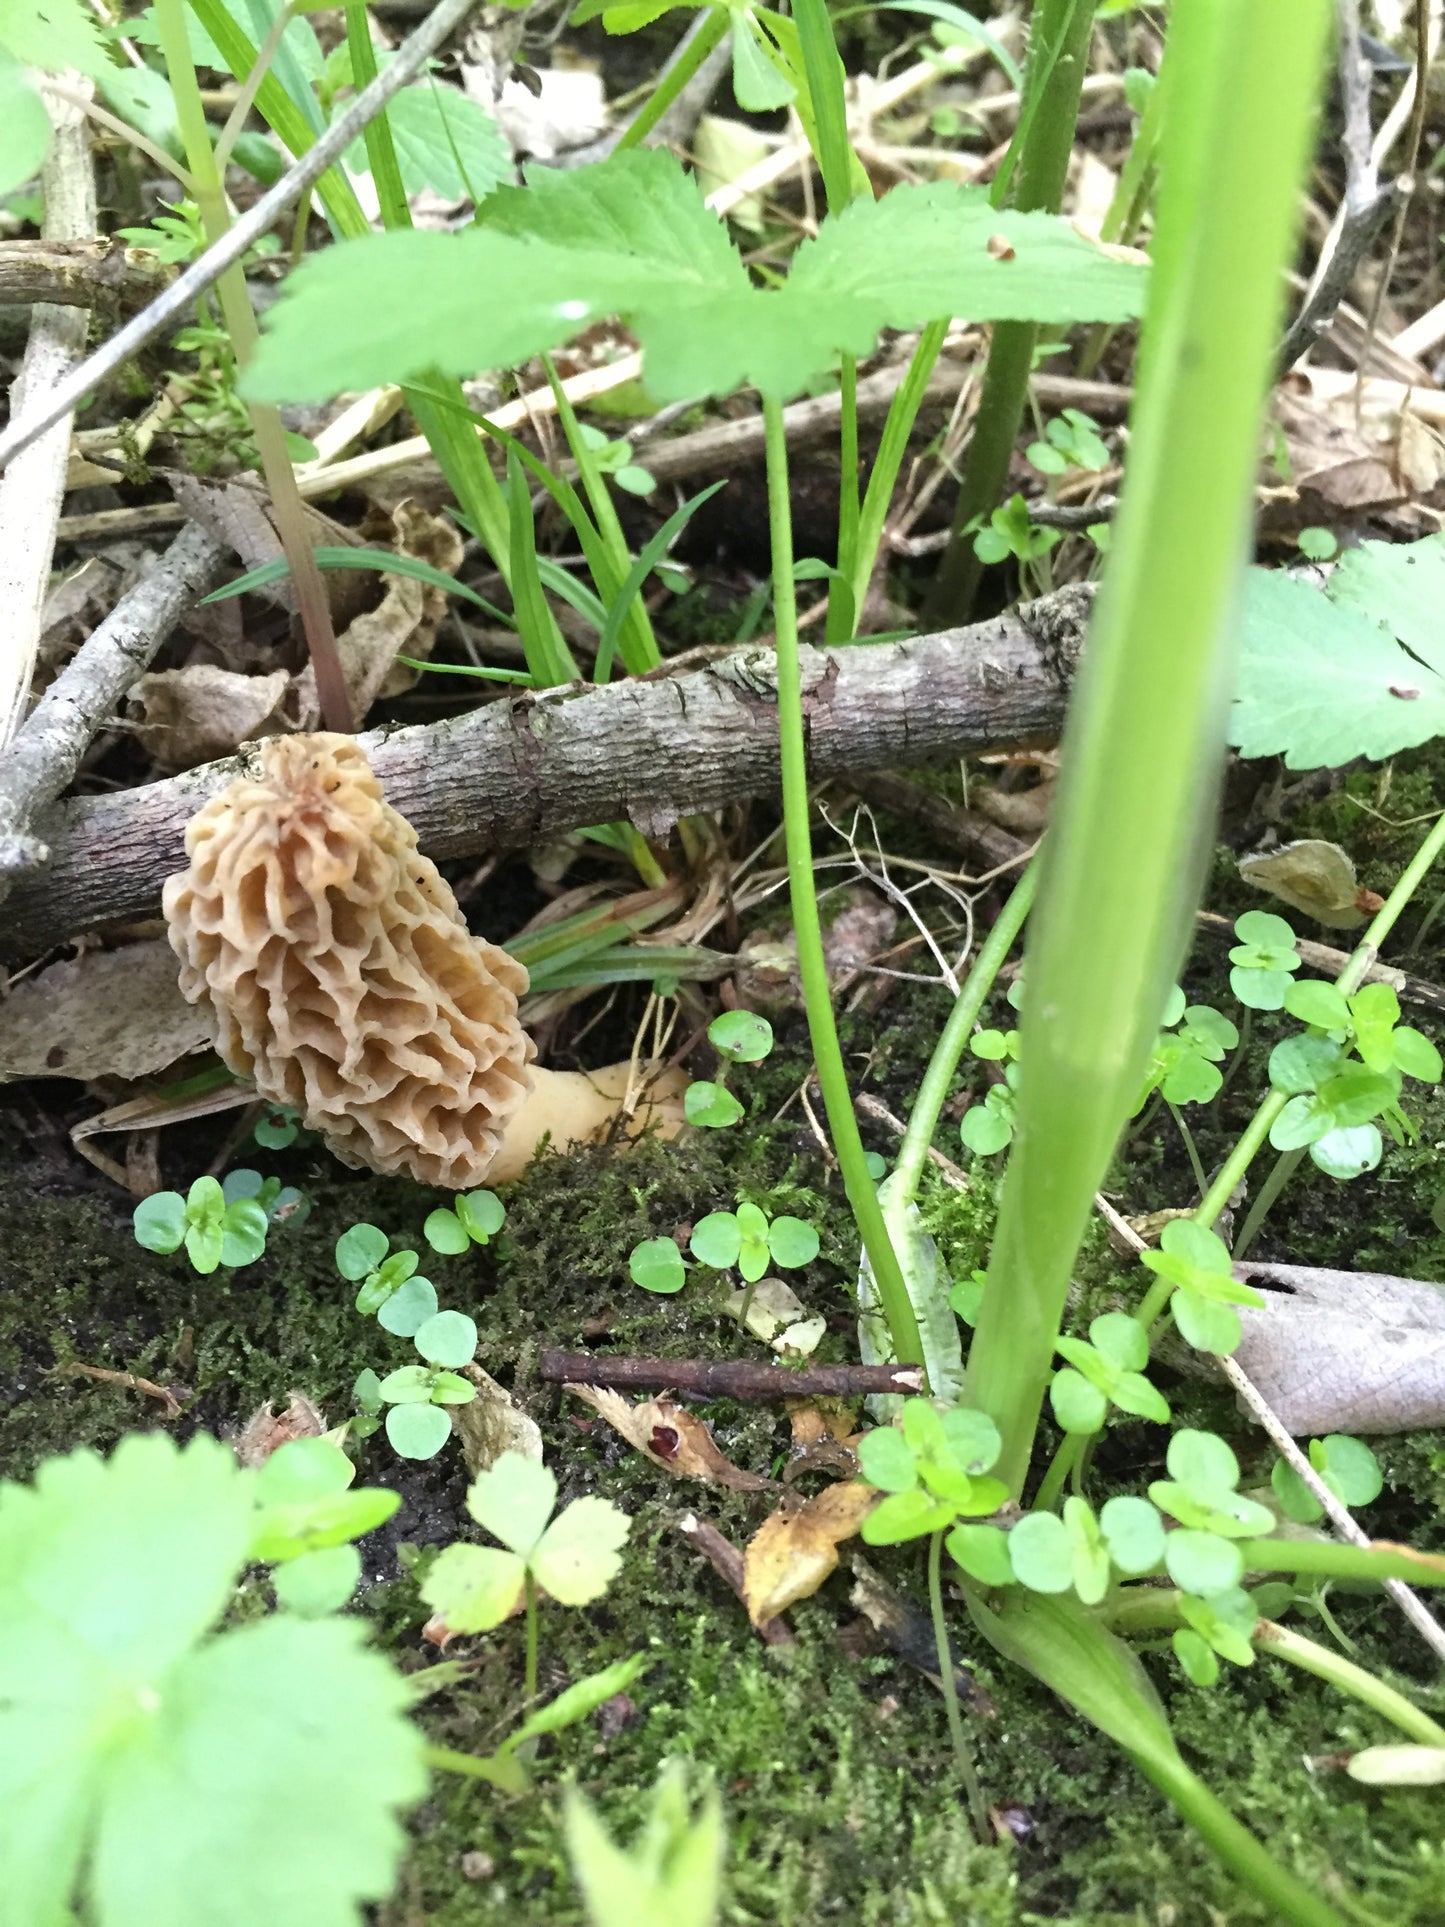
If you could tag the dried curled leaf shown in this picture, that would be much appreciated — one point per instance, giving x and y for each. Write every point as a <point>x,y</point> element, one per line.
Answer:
<point>671,1437</point>
<point>793,1552</point>
<point>340,974</point>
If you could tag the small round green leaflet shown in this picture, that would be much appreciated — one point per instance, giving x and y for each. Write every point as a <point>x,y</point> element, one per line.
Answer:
<point>407,1385</point>
<point>793,1242</point>
<point>408,1308</point>
<point>1318,544</point>
<point>741,1037</point>
<point>1042,1553</point>
<point>360,1250</point>
<point>481,1214</point>
<point>1198,1458</point>
<point>1225,1619</point>
<point>318,1582</point>
<point>160,1221</point>
<point>1263,960</point>
<point>656,1264</point>
<point>1090,1554</point>
<point>367,1391</point>
<point>972,1438</point>
<point>905,1515</point>
<point>447,1338</point>
<point>1202,1562</point>
<point>1346,1154</point>
<point>276,1130</point>
<point>710,1105</point>
<point>983,1553</point>
<point>986,1128</point>
<point>1320,1004</point>
<point>1078,1405</point>
<point>445,1233</point>
<point>886,1460</point>
<point>418,1431</point>
<point>717,1240</point>
<point>1133,1532</point>
<point>243,1232</point>
<point>1348,1467</point>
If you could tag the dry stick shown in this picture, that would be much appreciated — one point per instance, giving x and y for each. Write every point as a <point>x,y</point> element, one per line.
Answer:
<point>737,1378</point>
<point>31,490</point>
<point>47,752</point>
<point>727,1562</point>
<point>248,229</point>
<point>95,272</point>
<point>528,767</point>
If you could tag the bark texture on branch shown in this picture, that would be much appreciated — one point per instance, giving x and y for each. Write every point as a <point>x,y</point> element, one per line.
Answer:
<point>527,768</point>
<point>94,272</point>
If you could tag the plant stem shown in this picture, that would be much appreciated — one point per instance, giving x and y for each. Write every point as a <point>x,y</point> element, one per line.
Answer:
<point>933,1091</point>
<point>529,1682</point>
<point>698,43</point>
<point>845,609</point>
<point>1343,1673</point>
<point>1062,1464</point>
<point>812,967</point>
<point>962,1752</point>
<point>235,299</point>
<point>1060,35</point>
<point>1285,1166</point>
<point>1200,1179</point>
<point>1338,1561</point>
<point>892,447</point>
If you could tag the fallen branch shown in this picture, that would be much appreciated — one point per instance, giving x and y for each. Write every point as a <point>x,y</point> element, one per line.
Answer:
<point>100,273</point>
<point>524,769</point>
<point>46,754</point>
<point>738,1378</point>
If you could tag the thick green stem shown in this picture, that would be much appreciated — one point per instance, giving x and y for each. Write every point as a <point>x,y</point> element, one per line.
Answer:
<point>812,967</point>
<point>235,299</point>
<point>933,1091</point>
<point>1335,1561</point>
<point>962,1752</point>
<point>1060,35</point>
<point>1326,1664</point>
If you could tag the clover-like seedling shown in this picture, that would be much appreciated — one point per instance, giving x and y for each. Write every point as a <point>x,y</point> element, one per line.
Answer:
<point>1184,1063</point>
<point>1050,1554</point>
<point>213,1231</point>
<point>988,1127</point>
<point>738,1037</point>
<point>389,1285</point>
<point>573,1558</point>
<point>1202,1494</point>
<point>475,1219</point>
<point>1105,1369</point>
<point>1333,1102</point>
<point>748,1239</point>
<point>933,1467</point>
<point>1071,440</point>
<point>418,1424</point>
<point>1347,1466</point>
<point>308,1520</point>
<point>366,1396</point>
<point>282,1203</point>
<point>1263,961</point>
<point>1009,531</point>
<point>1196,1262</point>
<point>1219,1627</point>
<point>276,1128</point>
<point>614,458</point>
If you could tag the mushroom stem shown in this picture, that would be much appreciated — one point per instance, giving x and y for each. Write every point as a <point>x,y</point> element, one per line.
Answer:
<point>586,1107</point>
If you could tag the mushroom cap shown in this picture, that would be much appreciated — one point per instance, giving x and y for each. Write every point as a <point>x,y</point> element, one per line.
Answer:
<point>339,971</point>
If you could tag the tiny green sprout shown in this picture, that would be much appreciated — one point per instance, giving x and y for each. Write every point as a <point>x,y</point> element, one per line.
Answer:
<point>213,1231</point>
<point>418,1424</point>
<point>390,1288</point>
<point>657,1265</point>
<point>876,1165</point>
<point>1263,960</point>
<point>475,1218</point>
<point>673,1870</point>
<point>276,1128</point>
<point>1196,1262</point>
<point>573,1558</point>
<point>1010,532</point>
<point>614,458</point>
<point>1221,1625</point>
<point>748,1239</point>
<point>1202,1494</point>
<point>966,1296</point>
<point>283,1204</point>
<point>366,1396</point>
<point>1318,544</point>
<point>1106,1369</point>
<point>1347,1466</point>
<point>1184,1063</point>
<point>988,1127</point>
<point>1071,440</point>
<point>738,1037</point>
<point>710,1105</point>
<point>307,1521</point>
<point>932,1467</point>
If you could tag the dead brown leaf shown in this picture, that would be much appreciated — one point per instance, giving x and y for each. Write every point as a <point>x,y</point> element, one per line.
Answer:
<point>108,1013</point>
<point>493,1423</point>
<point>200,713</point>
<point>793,1552</point>
<point>1313,876</point>
<point>671,1437</point>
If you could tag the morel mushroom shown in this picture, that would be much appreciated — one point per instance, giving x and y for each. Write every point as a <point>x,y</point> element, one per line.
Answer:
<point>344,983</point>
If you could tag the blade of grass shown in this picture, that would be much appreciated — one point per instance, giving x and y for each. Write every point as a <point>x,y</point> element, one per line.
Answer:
<point>648,558</point>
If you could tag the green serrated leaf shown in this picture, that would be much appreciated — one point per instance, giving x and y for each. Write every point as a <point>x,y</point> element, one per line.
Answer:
<point>474,1587</point>
<point>443,141</point>
<point>54,35</point>
<point>579,1555</point>
<point>24,126</point>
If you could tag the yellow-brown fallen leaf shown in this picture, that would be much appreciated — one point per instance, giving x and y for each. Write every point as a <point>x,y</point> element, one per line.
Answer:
<point>671,1437</point>
<point>792,1553</point>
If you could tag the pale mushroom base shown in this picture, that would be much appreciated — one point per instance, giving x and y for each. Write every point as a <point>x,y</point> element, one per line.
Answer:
<point>568,1108</point>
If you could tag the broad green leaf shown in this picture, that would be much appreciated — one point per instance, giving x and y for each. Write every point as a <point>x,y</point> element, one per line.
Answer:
<point>656,1265</point>
<point>1323,681</point>
<point>443,141</point>
<point>902,1516</point>
<point>972,1438</point>
<point>318,1582</point>
<point>1198,1458</point>
<point>1133,1532</point>
<point>759,83</point>
<point>445,1232</point>
<point>160,1221</point>
<point>1348,1152</point>
<point>1202,1562</point>
<point>24,126</point>
<point>1042,1553</point>
<point>53,35</point>
<point>716,1240</point>
<point>710,1105</point>
<point>513,1500</point>
<point>632,236</point>
<point>243,1232</point>
<point>1078,1405</point>
<point>579,1555</point>
<point>447,1338</point>
<point>1399,584</point>
<point>886,1460</point>
<point>360,1250</point>
<point>1321,1004</point>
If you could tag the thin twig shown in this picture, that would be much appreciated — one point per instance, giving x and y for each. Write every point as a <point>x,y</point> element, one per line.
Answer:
<point>248,229</point>
<point>31,490</point>
<point>739,1378</point>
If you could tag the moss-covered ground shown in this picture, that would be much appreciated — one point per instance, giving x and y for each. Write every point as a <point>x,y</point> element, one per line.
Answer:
<point>832,1755</point>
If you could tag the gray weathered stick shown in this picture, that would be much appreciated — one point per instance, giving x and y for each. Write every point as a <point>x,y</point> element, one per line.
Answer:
<point>47,752</point>
<point>527,768</point>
